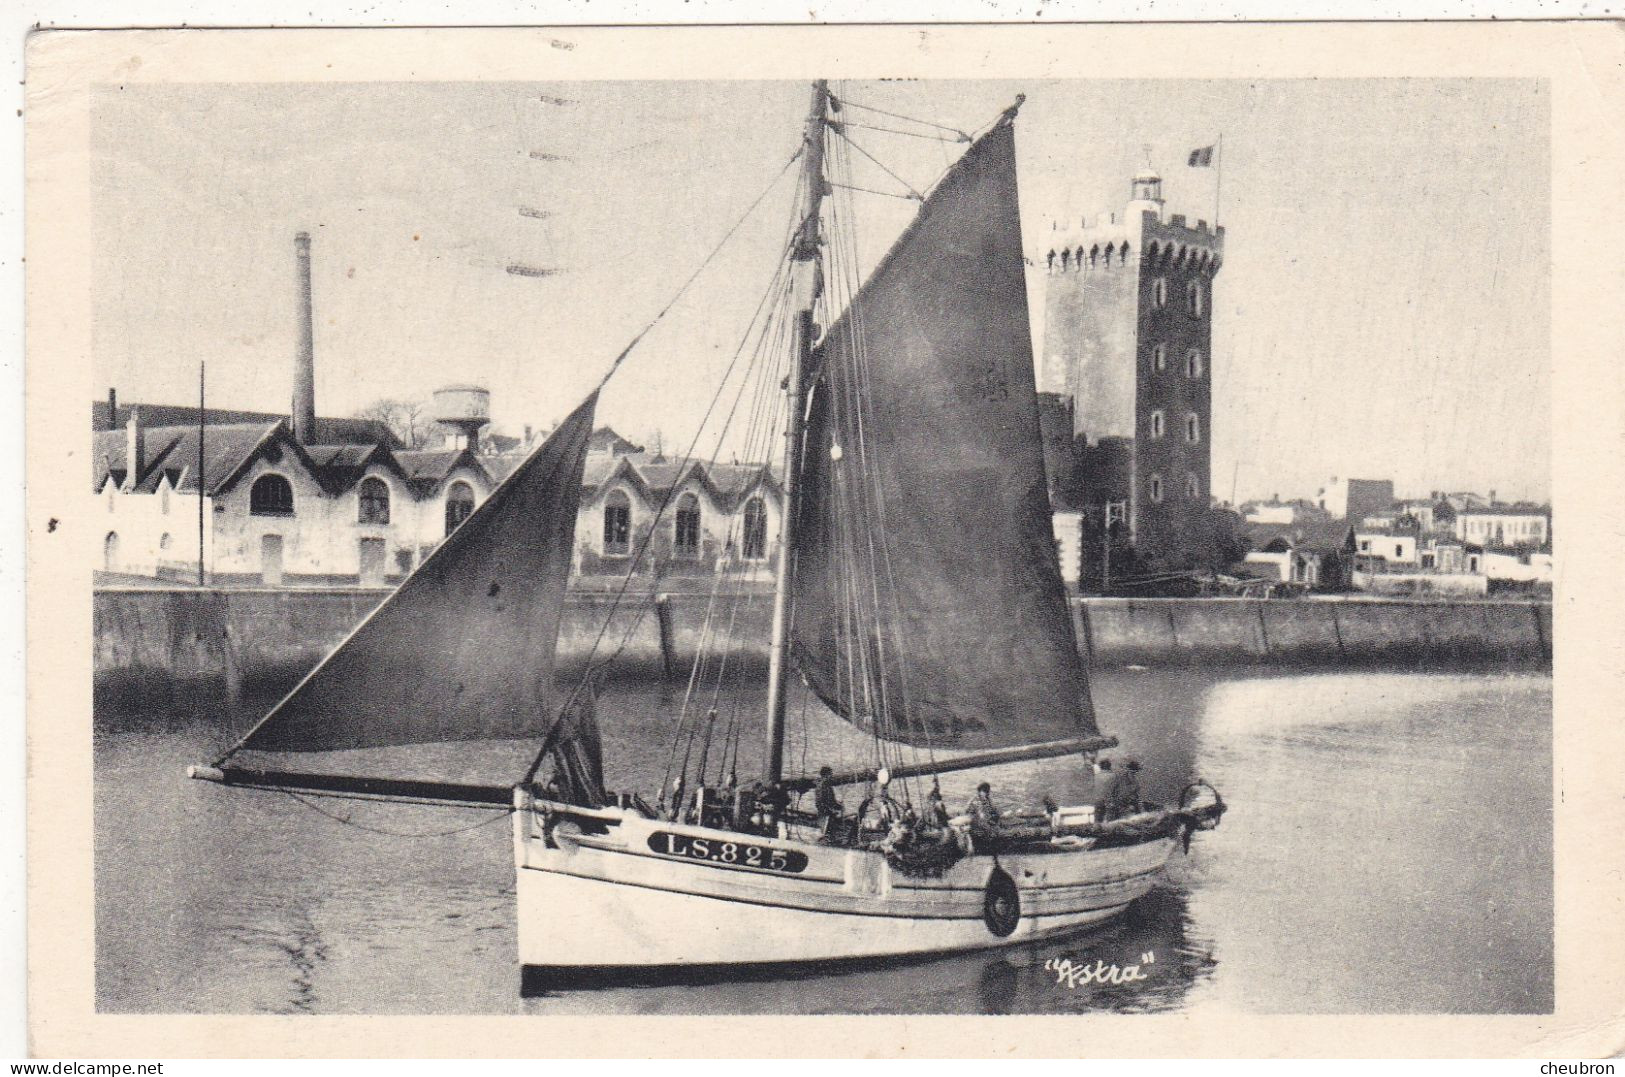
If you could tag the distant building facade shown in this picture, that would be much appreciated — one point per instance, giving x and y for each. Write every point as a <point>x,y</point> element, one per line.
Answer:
<point>1128,348</point>
<point>349,508</point>
<point>686,519</point>
<point>1353,499</point>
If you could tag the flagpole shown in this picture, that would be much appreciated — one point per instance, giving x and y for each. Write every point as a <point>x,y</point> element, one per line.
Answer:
<point>1218,179</point>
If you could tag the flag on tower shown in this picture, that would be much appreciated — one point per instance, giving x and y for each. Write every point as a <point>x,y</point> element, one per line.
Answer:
<point>1201,158</point>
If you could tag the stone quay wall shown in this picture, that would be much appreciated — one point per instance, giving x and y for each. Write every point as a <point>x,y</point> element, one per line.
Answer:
<point>151,642</point>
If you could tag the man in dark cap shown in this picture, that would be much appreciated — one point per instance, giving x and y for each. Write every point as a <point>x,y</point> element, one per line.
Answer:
<point>984,814</point>
<point>1122,796</point>
<point>825,802</point>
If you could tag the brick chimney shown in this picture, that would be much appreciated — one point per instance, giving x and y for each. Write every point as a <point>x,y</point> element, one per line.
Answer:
<point>304,367</point>
<point>112,409</point>
<point>135,449</point>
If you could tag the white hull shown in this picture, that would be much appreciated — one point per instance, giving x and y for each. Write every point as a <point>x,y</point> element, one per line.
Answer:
<point>621,899</point>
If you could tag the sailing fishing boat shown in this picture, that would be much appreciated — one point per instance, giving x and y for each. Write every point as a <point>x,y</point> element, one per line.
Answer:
<point>917,595</point>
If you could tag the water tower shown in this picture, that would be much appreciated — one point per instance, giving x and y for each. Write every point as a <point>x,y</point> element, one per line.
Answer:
<point>463,410</point>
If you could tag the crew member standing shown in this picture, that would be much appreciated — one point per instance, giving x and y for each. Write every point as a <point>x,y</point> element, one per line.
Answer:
<point>984,814</point>
<point>826,803</point>
<point>1123,795</point>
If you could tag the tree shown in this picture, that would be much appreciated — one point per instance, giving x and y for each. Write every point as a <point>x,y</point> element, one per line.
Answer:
<point>406,419</point>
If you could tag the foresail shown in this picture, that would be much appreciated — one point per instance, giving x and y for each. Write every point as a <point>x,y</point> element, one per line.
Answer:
<point>464,649</point>
<point>928,599</point>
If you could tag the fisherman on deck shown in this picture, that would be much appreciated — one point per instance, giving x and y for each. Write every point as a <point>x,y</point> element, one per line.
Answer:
<point>825,803</point>
<point>1122,796</point>
<point>983,816</point>
<point>886,811</point>
<point>936,812</point>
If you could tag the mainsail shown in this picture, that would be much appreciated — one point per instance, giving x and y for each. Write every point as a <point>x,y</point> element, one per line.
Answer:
<point>924,473</point>
<point>464,649</point>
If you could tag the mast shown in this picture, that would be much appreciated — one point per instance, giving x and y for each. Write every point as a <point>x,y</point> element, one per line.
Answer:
<point>803,276</point>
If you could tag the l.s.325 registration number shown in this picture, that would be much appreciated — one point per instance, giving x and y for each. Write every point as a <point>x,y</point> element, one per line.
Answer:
<point>737,853</point>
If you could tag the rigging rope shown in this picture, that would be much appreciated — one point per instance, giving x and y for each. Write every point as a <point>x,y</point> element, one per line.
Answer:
<point>502,813</point>
<point>850,141</point>
<point>619,359</point>
<point>900,131</point>
<point>849,103</point>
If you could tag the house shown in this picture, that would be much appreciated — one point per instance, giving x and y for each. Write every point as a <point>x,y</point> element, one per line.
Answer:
<point>1354,499</point>
<point>1316,554</point>
<point>1521,525</point>
<point>1391,544</point>
<point>276,510</point>
<point>692,518</point>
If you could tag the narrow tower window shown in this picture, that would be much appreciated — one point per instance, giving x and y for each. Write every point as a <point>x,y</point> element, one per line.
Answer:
<point>1193,486</point>
<point>1156,424</point>
<point>1193,363</point>
<point>1193,428</point>
<point>1193,298</point>
<point>1159,293</point>
<point>1156,488</point>
<point>1159,357</point>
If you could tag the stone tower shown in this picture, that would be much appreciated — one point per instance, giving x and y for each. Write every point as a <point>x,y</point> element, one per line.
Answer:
<point>1127,336</point>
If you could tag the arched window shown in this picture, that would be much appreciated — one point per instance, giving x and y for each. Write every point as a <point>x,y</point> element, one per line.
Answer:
<point>110,552</point>
<point>1159,293</point>
<point>165,542</point>
<point>459,505</point>
<point>1159,357</point>
<point>271,495</point>
<point>1122,254</point>
<point>1157,424</point>
<point>1193,486</point>
<point>1193,428</point>
<point>1077,256</point>
<point>374,501</point>
<point>1156,488</point>
<point>686,527</point>
<point>1193,298</point>
<point>617,524</point>
<point>1066,260</point>
<point>755,527</point>
<point>1052,261</point>
<point>1193,363</point>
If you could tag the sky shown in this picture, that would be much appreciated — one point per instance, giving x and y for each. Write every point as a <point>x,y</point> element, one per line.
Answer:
<point>1382,312</point>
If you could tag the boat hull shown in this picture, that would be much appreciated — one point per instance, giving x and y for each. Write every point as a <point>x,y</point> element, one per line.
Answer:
<point>610,891</point>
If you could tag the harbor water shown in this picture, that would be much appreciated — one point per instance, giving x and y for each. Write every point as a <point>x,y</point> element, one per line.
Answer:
<point>1388,850</point>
